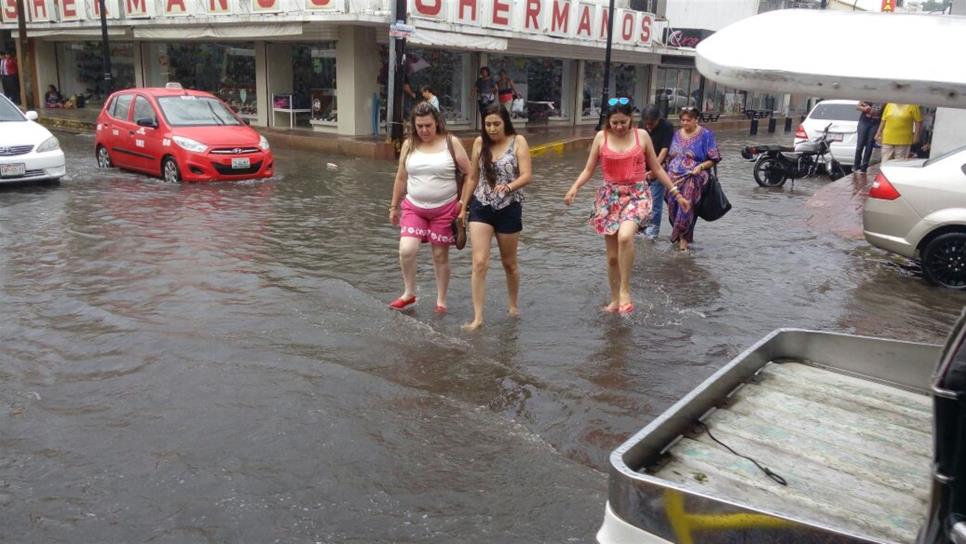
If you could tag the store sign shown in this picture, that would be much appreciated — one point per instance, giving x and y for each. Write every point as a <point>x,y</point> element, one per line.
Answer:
<point>175,8</point>
<point>323,5</point>
<point>266,6</point>
<point>68,10</point>
<point>72,10</point>
<point>39,10</point>
<point>685,37</point>
<point>888,6</point>
<point>218,7</point>
<point>579,19</point>
<point>137,9</point>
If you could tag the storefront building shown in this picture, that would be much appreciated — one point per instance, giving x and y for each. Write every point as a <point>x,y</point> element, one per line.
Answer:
<point>322,64</point>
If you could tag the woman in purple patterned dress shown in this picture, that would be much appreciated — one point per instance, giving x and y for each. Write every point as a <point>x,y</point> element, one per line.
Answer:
<point>693,153</point>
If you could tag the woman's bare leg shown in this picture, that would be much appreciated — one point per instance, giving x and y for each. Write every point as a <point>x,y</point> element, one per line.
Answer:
<point>441,267</point>
<point>625,243</point>
<point>508,255</point>
<point>408,250</point>
<point>481,237</point>
<point>613,272</point>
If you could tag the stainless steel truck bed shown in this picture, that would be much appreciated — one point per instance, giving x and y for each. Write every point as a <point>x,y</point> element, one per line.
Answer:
<point>845,420</point>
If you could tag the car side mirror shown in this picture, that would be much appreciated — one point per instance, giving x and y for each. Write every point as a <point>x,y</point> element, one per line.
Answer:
<point>31,115</point>
<point>147,122</point>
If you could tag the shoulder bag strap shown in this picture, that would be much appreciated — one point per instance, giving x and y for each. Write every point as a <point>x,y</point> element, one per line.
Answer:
<point>460,175</point>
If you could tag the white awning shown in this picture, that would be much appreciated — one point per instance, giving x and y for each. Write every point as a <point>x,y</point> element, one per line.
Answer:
<point>232,32</point>
<point>858,56</point>
<point>73,33</point>
<point>471,42</point>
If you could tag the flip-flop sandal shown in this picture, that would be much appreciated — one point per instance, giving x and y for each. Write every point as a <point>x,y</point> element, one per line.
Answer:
<point>626,309</point>
<point>440,310</point>
<point>401,302</point>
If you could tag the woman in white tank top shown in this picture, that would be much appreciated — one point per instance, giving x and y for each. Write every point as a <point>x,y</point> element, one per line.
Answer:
<point>426,177</point>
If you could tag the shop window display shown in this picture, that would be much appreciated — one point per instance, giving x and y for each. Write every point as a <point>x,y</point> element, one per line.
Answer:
<point>314,81</point>
<point>624,77</point>
<point>538,80</point>
<point>441,70</point>
<point>225,70</point>
<point>81,70</point>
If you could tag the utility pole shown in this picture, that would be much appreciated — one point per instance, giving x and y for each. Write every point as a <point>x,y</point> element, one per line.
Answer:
<point>397,49</point>
<point>604,93</point>
<point>21,44</point>
<point>105,51</point>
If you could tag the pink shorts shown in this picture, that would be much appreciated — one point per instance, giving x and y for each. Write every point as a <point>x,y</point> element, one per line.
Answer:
<point>434,225</point>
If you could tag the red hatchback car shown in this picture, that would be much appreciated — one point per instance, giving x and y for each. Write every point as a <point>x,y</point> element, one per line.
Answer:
<point>179,135</point>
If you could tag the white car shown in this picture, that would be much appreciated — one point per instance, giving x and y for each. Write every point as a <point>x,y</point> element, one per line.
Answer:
<point>28,151</point>
<point>917,208</point>
<point>676,98</point>
<point>844,117</point>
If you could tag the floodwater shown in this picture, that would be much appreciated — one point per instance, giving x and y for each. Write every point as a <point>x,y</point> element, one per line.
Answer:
<point>216,363</point>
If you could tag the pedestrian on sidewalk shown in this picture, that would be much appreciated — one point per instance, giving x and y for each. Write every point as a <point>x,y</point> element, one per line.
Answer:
<point>623,203</point>
<point>426,188</point>
<point>9,74</point>
<point>506,90</point>
<point>901,126</point>
<point>661,132</point>
<point>427,92</point>
<point>693,153</point>
<point>484,90</point>
<point>493,199</point>
<point>865,134</point>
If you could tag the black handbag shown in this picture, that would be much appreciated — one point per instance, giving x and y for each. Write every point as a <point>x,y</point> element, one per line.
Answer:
<point>713,204</point>
<point>459,228</point>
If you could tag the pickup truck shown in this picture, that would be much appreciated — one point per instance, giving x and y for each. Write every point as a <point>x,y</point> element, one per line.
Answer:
<point>805,437</point>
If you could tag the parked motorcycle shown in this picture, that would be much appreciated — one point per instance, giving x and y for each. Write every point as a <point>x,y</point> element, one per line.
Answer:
<point>775,164</point>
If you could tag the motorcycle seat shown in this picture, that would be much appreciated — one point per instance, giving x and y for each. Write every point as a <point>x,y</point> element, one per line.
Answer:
<point>775,147</point>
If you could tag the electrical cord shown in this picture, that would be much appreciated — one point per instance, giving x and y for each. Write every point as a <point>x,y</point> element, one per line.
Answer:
<point>768,472</point>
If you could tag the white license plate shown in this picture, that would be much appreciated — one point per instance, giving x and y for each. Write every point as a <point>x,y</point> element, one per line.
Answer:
<point>13,170</point>
<point>241,163</point>
<point>836,136</point>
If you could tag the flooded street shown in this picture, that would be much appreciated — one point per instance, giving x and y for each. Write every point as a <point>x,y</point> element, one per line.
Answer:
<point>216,363</point>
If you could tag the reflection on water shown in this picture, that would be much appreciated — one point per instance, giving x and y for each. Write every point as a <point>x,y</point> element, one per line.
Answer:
<point>185,363</point>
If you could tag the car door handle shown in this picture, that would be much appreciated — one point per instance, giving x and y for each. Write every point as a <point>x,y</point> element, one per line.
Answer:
<point>131,132</point>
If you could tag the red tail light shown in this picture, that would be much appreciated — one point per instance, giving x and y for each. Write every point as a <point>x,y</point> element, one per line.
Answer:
<point>800,132</point>
<point>882,189</point>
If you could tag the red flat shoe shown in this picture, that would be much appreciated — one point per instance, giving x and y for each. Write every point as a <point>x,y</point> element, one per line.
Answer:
<point>401,302</point>
<point>440,309</point>
<point>626,309</point>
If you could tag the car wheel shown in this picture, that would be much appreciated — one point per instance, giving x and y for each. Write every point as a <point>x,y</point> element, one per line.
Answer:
<point>944,260</point>
<point>769,172</point>
<point>169,170</point>
<point>103,157</point>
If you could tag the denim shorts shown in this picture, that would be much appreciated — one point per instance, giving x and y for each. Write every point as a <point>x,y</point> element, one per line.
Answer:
<point>506,220</point>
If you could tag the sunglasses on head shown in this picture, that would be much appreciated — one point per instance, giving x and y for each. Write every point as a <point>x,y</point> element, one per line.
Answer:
<point>689,109</point>
<point>623,101</point>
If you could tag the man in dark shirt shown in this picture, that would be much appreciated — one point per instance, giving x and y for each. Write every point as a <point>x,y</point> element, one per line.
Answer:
<point>661,133</point>
<point>865,134</point>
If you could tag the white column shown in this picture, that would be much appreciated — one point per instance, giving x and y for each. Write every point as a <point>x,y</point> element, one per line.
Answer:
<point>567,78</point>
<point>642,84</point>
<point>46,73</point>
<point>263,99</point>
<point>577,104</point>
<point>357,62</point>
<point>652,88</point>
<point>138,66</point>
<point>279,81</point>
